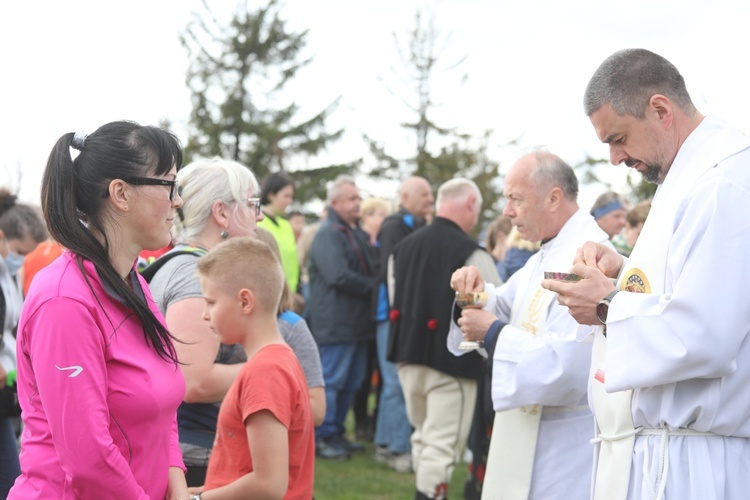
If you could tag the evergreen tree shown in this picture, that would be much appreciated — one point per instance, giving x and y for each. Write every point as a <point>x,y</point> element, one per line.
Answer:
<point>236,77</point>
<point>456,154</point>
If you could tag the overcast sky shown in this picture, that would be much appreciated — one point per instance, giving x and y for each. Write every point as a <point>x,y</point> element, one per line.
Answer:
<point>77,64</point>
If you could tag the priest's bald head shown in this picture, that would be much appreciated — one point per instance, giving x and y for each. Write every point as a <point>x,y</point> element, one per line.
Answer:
<point>639,105</point>
<point>542,193</point>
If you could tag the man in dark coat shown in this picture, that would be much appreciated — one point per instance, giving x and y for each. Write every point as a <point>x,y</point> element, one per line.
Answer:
<point>340,311</point>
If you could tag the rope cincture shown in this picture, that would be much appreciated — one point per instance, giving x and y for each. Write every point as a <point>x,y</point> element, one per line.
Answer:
<point>663,470</point>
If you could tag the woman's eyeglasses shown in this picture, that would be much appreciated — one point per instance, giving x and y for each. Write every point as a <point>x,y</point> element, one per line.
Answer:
<point>149,181</point>
<point>254,202</point>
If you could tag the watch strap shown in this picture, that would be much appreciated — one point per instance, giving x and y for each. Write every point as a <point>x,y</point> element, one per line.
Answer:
<point>611,295</point>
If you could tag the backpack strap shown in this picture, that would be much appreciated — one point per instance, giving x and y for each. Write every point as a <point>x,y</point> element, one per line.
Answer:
<point>150,270</point>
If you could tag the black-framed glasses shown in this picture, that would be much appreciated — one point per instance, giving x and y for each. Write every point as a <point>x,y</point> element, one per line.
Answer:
<point>254,202</point>
<point>149,181</point>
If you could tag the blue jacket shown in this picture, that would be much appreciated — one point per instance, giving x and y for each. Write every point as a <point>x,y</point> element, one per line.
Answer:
<point>514,260</point>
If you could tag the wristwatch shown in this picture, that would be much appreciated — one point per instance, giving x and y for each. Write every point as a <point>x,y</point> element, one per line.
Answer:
<point>602,308</point>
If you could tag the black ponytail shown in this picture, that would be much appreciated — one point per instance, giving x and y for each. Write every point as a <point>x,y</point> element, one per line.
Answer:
<point>73,204</point>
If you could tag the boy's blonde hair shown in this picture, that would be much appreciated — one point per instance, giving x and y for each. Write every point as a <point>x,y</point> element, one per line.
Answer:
<point>245,262</point>
<point>269,239</point>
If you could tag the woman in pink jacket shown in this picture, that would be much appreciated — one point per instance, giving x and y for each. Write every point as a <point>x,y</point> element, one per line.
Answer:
<point>98,378</point>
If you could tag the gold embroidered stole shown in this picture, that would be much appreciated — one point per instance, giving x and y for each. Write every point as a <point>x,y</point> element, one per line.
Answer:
<point>515,431</point>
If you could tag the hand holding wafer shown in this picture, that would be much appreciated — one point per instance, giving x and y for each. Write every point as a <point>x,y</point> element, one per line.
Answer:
<point>599,257</point>
<point>467,279</point>
<point>582,296</point>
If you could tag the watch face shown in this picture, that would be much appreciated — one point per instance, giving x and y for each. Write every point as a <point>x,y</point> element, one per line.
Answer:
<point>602,308</point>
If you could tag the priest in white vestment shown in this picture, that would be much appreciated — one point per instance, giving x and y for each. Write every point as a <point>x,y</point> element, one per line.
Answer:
<point>670,378</point>
<point>539,447</point>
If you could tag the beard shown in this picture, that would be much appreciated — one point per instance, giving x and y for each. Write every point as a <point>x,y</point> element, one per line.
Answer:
<point>652,173</point>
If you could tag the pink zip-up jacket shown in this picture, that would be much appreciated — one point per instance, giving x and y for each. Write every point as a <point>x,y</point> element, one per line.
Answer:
<point>99,405</point>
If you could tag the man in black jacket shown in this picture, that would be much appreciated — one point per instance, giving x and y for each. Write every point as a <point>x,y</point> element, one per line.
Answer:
<point>439,388</point>
<point>340,311</point>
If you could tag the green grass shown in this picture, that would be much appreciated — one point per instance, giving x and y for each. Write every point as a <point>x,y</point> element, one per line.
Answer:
<point>362,477</point>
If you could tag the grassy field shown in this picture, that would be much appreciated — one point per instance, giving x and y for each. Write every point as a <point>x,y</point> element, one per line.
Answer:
<point>363,477</point>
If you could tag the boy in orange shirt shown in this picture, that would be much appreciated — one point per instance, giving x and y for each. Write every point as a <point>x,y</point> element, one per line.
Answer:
<point>265,440</point>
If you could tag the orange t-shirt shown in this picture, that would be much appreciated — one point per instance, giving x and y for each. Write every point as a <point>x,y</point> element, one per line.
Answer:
<point>271,380</point>
<point>36,260</point>
<point>151,255</point>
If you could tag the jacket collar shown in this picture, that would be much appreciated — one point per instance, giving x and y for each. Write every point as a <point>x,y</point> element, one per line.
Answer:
<point>335,218</point>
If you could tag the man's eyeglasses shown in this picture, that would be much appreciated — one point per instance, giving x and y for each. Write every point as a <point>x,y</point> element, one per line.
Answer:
<point>254,202</point>
<point>149,181</point>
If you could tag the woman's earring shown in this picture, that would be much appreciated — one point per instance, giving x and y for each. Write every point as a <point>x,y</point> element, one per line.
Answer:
<point>224,234</point>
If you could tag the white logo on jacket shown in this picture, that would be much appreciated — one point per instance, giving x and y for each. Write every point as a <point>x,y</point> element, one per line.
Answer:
<point>76,370</point>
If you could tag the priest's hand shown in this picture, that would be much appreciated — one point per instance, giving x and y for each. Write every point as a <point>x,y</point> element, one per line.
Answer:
<point>599,257</point>
<point>467,279</point>
<point>474,323</point>
<point>581,297</point>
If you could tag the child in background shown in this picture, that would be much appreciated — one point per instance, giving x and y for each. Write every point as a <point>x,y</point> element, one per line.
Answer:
<point>265,442</point>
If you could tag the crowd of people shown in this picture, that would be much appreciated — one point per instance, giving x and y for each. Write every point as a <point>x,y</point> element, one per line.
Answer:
<point>182,332</point>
